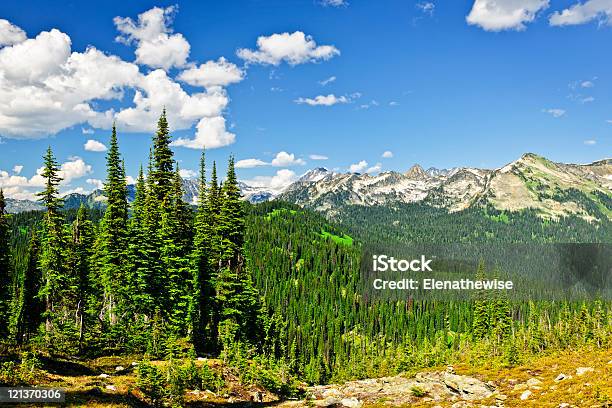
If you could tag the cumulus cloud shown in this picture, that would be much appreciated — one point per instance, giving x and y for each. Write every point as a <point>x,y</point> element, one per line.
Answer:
<point>585,12</point>
<point>387,154</point>
<point>358,167</point>
<point>187,173</point>
<point>284,159</point>
<point>156,46</point>
<point>295,48</point>
<point>326,100</point>
<point>94,146</point>
<point>97,183</point>
<point>555,112</point>
<point>318,157</point>
<point>211,133</point>
<point>10,34</point>
<point>250,163</point>
<point>21,187</point>
<point>327,80</point>
<point>213,73</point>
<point>498,15</point>
<point>374,169</point>
<point>17,169</point>
<point>278,182</point>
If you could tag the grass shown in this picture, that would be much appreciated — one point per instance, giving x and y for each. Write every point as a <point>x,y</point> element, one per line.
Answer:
<point>279,212</point>
<point>341,240</point>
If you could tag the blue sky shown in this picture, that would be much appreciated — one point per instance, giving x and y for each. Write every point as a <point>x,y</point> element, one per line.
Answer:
<point>444,84</point>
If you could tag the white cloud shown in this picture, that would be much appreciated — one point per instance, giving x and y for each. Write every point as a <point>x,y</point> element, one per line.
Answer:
<point>130,180</point>
<point>94,146</point>
<point>374,169</point>
<point>324,100</point>
<point>187,173</point>
<point>334,3</point>
<point>373,102</point>
<point>17,169</point>
<point>581,13</point>
<point>98,184</point>
<point>10,34</point>
<point>327,80</point>
<point>587,99</point>
<point>213,73</point>
<point>318,157</point>
<point>498,15</point>
<point>393,103</point>
<point>87,131</point>
<point>358,167</point>
<point>77,190</point>
<point>210,134</point>
<point>156,46</point>
<point>74,168</point>
<point>278,182</point>
<point>387,154</point>
<point>555,112</point>
<point>250,163</point>
<point>587,84</point>
<point>21,187</point>
<point>427,7</point>
<point>590,142</point>
<point>295,48</point>
<point>284,159</point>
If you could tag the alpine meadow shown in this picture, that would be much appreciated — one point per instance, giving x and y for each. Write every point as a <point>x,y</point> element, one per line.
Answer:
<point>165,245</point>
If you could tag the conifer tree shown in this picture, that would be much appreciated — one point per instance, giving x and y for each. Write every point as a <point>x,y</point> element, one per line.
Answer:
<point>52,261</point>
<point>80,264</point>
<point>201,310</point>
<point>30,307</point>
<point>481,323</point>
<point>5,269</point>
<point>237,298</point>
<point>112,237</point>
<point>140,265</point>
<point>163,163</point>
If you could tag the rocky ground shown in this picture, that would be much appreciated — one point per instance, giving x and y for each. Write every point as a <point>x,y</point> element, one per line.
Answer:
<point>576,379</point>
<point>573,379</point>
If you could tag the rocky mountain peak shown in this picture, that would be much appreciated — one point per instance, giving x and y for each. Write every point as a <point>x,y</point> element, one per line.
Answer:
<point>416,172</point>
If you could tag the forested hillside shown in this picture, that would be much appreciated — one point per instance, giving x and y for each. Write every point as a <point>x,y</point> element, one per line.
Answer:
<point>271,289</point>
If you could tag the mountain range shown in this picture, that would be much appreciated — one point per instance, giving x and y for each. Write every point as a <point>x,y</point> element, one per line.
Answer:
<point>553,189</point>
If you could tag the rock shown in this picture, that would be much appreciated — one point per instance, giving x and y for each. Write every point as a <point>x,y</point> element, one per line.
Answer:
<point>327,402</point>
<point>134,363</point>
<point>520,387</point>
<point>584,370</point>
<point>331,392</point>
<point>351,402</point>
<point>103,376</point>
<point>450,369</point>
<point>525,395</point>
<point>564,405</point>
<point>202,358</point>
<point>532,382</point>
<point>561,377</point>
<point>119,368</point>
<point>501,397</point>
<point>610,362</point>
<point>111,388</point>
<point>257,396</point>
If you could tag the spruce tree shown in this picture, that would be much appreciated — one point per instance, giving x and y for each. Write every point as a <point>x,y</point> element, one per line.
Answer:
<point>30,307</point>
<point>112,236</point>
<point>202,300</point>
<point>236,296</point>
<point>163,163</point>
<point>81,250</point>
<point>52,261</point>
<point>5,269</point>
<point>481,323</point>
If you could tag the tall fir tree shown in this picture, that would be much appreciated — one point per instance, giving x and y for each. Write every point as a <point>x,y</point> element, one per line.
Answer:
<point>79,261</point>
<point>203,293</point>
<point>52,261</point>
<point>481,324</point>
<point>238,301</point>
<point>162,176</point>
<point>5,269</point>
<point>30,308</point>
<point>112,238</point>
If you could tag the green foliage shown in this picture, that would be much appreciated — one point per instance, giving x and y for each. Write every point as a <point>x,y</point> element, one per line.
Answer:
<point>418,392</point>
<point>22,373</point>
<point>151,382</point>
